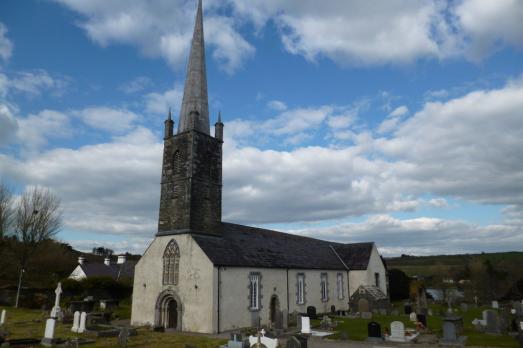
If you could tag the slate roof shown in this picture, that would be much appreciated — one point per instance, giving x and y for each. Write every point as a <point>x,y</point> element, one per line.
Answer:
<point>244,246</point>
<point>115,271</point>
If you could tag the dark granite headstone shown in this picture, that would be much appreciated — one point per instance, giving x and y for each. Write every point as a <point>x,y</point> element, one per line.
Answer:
<point>374,330</point>
<point>311,312</point>
<point>333,309</point>
<point>297,341</point>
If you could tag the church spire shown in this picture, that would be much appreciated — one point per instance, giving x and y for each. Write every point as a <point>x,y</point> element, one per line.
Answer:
<point>194,114</point>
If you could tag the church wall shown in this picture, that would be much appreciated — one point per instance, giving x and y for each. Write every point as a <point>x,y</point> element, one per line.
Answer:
<point>366,277</point>
<point>234,294</point>
<point>194,289</point>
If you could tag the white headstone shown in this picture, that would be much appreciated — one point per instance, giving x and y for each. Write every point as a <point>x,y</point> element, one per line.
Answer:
<point>397,331</point>
<point>56,311</point>
<point>49,328</point>
<point>266,341</point>
<point>413,317</point>
<point>305,325</point>
<point>83,318</point>
<point>2,317</point>
<point>76,322</point>
<point>495,304</point>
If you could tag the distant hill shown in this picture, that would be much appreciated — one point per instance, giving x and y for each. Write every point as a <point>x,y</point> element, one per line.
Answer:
<point>424,265</point>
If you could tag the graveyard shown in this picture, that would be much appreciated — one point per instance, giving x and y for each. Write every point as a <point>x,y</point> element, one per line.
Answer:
<point>22,323</point>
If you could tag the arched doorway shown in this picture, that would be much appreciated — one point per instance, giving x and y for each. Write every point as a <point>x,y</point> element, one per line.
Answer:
<point>171,319</point>
<point>363,305</point>
<point>169,311</point>
<point>274,308</point>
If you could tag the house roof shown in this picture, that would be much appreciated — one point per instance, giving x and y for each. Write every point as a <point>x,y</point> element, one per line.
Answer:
<point>244,246</point>
<point>115,271</point>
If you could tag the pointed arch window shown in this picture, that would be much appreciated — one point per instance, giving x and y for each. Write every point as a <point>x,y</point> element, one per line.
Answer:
<point>171,263</point>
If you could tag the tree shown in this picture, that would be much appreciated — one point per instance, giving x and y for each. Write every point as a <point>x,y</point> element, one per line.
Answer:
<point>37,217</point>
<point>399,284</point>
<point>6,209</point>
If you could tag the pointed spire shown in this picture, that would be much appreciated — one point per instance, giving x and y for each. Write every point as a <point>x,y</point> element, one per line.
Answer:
<point>194,114</point>
<point>219,117</point>
<point>170,116</point>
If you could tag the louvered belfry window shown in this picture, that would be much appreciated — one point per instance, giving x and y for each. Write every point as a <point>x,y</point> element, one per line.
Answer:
<point>171,263</point>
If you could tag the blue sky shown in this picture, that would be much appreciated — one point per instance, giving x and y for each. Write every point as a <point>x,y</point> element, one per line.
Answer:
<point>396,122</point>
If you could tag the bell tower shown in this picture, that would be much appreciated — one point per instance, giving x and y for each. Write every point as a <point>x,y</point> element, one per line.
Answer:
<point>191,187</point>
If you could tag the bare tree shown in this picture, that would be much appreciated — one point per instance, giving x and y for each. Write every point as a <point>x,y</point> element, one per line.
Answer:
<point>6,209</point>
<point>37,217</point>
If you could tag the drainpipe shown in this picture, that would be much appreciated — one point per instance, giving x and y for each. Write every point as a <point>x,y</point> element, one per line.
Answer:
<point>288,308</point>
<point>219,285</point>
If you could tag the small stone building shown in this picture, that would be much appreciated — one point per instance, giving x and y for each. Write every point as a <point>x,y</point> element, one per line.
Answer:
<point>203,275</point>
<point>368,298</point>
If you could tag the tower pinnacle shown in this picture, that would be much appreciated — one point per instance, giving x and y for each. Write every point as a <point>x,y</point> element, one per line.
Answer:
<point>194,114</point>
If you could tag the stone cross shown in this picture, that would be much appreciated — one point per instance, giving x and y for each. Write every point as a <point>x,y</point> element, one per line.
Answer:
<point>2,317</point>
<point>83,318</point>
<point>76,322</point>
<point>56,311</point>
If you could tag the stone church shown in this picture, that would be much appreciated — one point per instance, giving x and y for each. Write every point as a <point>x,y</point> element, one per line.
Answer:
<point>203,275</point>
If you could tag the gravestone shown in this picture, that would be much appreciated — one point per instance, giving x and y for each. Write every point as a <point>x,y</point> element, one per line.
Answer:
<point>382,311</point>
<point>123,337</point>
<point>293,342</point>
<point>429,312</point>
<point>493,324</point>
<point>413,317</point>
<point>305,325</point>
<point>407,308</point>
<point>311,312</point>
<point>48,339</point>
<point>344,335</point>
<point>285,322</point>
<point>464,307</point>
<point>519,309</point>
<point>297,341</point>
<point>395,312</point>
<point>57,311</point>
<point>279,320</point>
<point>2,317</point>
<point>397,331</point>
<point>495,304</point>
<point>76,322</point>
<point>333,309</point>
<point>450,333</point>
<point>422,318</point>
<point>298,321</point>
<point>266,341</point>
<point>366,315</point>
<point>83,318</point>
<point>374,331</point>
<point>255,319</point>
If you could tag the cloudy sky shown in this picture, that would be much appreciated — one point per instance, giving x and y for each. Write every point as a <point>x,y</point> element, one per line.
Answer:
<point>399,122</point>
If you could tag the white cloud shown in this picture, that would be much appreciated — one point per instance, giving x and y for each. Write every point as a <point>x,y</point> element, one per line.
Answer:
<point>161,28</point>
<point>486,24</point>
<point>6,46</point>
<point>32,83</point>
<point>138,84</point>
<point>277,105</point>
<point>35,130</point>
<point>423,235</point>
<point>8,125</point>
<point>160,102</point>
<point>109,119</point>
<point>399,111</point>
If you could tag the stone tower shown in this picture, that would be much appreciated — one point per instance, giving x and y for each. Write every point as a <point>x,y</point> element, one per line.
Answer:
<point>191,187</point>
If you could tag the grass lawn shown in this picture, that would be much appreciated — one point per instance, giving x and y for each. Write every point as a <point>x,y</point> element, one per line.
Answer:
<point>357,328</point>
<point>27,323</point>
